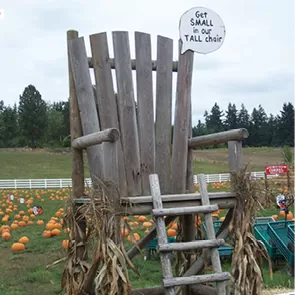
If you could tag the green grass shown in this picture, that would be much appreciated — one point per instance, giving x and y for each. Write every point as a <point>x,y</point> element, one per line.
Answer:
<point>40,164</point>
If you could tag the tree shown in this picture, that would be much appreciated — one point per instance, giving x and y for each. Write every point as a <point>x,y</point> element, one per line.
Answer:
<point>10,126</point>
<point>32,115</point>
<point>200,129</point>
<point>286,125</point>
<point>231,120</point>
<point>257,128</point>
<point>214,120</point>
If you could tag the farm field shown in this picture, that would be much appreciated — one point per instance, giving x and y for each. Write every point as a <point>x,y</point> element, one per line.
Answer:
<point>27,164</point>
<point>24,273</point>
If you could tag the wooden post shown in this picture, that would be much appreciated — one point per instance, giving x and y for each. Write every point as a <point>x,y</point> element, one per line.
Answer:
<point>77,156</point>
<point>180,138</point>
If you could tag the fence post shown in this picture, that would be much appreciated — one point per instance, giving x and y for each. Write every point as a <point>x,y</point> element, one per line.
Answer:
<point>15,186</point>
<point>30,183</point>
<point>45,183</point>
<point>219,177</point>
<point>60,183</point>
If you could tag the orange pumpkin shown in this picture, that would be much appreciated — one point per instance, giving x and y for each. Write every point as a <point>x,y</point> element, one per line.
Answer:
<point>22,223</point>
<point>147,224</point>
<point>21,213</point>
<point>171,232</point>
<point>46,234</point>
<point>6,236</point>
<point>141,218</point>
<point>25,218</point>
<point>65,244</point>
<point>50,226</point>
<point>282,213</point>
<point>290,216</point>
<point>124,232</point>
<point>55,232</point>
<point>275,217</point>
<point>14,226</point>
<point>24,240</point>
<point>17,247</point>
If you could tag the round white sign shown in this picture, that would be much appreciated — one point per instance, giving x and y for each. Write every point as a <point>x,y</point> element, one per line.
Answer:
<point>201,30</point>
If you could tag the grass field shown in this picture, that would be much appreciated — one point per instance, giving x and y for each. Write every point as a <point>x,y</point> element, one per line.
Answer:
<point>26,164</point>
<point>25,273</point>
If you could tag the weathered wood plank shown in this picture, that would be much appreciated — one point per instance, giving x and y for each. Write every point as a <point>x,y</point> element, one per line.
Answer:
<point>164,112</point>
<point>76,129</point>
<point>185,210</point>
<point>107,135</point>
<point>161,230</point>
<point>218,277</point>
<point>181,123</point>
<point>127,114</point>
<point>220,137</point>
<point>215,243</point>
<point>155,64</point>
<point>180,142</point>
<point>180,197</point>
<point>190,187</point>
<point>215,259</point>
<point>106,101</point>
<point>145,108</point>
<point>86,103</point>
<point>235,156</point>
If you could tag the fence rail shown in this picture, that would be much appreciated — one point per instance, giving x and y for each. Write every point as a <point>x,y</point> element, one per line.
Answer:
<point>67,182</point>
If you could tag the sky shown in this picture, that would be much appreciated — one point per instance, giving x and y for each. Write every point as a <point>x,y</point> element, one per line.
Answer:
<point>255,64</point>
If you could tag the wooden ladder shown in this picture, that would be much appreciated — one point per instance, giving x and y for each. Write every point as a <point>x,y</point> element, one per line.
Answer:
<point>169,282</point>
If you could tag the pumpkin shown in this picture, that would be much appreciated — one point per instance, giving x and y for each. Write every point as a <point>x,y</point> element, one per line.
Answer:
<point>282,213</point>
<point>171,232</point>
<point>290,216</point>
<point>30,222</point>
<point>22,223</point>
<point>6,236</point>
<point>16,216</point>
<point>65,244</point>
<point>33,216</point>
<point>174,226</point>
<point>21,213</point>
<point>14,226</point>
<point>141,218</point>
<point>147,224</point>
<point>24,240</point>
<point>40,222</point>
<point>55,232</point>
<point>25,218</point>
<point>50,226</point>
<point>124,232</point>
<point>275,217</point>
<point>17,247</point>
<point>46,234</point>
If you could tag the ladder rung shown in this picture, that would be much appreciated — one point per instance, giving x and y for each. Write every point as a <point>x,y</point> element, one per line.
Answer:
<point>185,210</point>
<point>180,281</point>
<point>216,243</point>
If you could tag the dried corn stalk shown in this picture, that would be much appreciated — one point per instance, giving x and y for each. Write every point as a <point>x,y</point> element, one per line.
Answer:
<point>246,272</point>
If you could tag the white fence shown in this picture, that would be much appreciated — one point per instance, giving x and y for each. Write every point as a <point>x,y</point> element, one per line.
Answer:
<point>67,182</point>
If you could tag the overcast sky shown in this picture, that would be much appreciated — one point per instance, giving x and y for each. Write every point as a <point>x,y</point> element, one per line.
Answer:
<point>254,65</point>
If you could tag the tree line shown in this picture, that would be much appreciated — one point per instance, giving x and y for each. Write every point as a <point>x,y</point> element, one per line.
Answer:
<point>36,123</point>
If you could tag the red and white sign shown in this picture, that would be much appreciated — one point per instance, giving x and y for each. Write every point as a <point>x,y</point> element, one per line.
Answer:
<point>276,169</point>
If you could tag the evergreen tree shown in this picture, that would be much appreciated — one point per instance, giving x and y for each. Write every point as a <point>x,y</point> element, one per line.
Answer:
<point>257,128</point>
<point>200,129</point>
<point>286,125</point>
<point>32,116</point>
<point>214,120</point>
<point>10,126</point>
<point>231,120</point>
